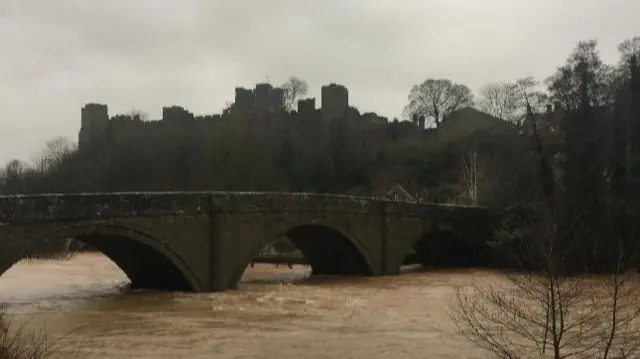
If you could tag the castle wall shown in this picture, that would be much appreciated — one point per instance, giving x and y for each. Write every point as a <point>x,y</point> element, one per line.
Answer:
<point>176,113</point>
<point>306,106</point>
<point>264,99</point>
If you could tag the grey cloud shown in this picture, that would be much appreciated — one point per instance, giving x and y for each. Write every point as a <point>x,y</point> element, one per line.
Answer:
<point>143,54</point>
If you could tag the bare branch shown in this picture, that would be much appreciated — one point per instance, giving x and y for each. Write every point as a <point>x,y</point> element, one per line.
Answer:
<point>294,89</point>
<point>549,312</point>
<point>434,99</point>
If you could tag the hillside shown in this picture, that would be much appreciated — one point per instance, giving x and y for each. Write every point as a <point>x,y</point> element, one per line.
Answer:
<point>469,121</point>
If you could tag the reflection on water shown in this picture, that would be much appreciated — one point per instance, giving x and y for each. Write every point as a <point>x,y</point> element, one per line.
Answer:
<point>276,313</point>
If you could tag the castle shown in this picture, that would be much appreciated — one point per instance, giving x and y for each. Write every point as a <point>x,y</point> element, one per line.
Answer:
<point>261,103</point>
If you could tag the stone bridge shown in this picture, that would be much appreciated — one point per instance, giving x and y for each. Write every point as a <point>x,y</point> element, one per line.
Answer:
<point>203,241</point>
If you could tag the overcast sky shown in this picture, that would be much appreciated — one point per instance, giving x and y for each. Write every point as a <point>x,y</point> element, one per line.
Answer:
<point>143,54</point>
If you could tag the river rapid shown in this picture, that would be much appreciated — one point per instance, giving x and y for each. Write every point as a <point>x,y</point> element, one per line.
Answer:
<point>276,313</point>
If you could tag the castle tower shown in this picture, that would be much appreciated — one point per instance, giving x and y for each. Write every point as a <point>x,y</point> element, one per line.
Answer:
<point>176,113</point>
<point>94,123</point>
<point>335,102</point>
<point>245,100</point>
<point>306,106</point>
<point>276,99</point>
<point>262,96</point>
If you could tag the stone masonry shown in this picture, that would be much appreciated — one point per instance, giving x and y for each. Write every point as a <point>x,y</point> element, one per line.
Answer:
<point>203,241</point>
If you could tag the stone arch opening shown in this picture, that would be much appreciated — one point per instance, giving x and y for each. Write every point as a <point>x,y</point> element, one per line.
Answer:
<point>147,262</point>
<point>442,248</point>
<point>326,250</point>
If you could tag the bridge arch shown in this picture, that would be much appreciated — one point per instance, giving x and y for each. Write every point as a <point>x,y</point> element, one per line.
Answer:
<point>327,250</point>
<point>147,262</point>
<point>443,248</point>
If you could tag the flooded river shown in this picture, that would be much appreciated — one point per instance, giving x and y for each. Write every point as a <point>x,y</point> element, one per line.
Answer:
<point>276,313</point>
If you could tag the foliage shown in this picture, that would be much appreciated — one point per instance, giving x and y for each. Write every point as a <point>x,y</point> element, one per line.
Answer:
<point>629,52</point>
<point>583,62</point>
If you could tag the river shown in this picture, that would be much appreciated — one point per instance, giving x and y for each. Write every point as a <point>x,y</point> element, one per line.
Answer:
<point>276,313</point>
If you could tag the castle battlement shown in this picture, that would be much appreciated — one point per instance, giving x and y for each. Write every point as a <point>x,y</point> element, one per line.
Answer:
<point>264,99</point>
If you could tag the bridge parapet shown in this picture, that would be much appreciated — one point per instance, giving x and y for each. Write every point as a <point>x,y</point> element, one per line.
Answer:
<point>28,209</point>
<point>247,202</point>
<point>33,209</point>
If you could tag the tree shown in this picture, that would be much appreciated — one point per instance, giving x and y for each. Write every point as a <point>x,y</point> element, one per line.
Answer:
<point>547,312</point>
<point>13,176</point>
<point>54,153</point>
<point>133,115</point>
<point>138,115</point>
<point>583,85</point>
<point>502,100</point>
<point>531,98</point>
<point>477,170</point>
<point>624,161</point>
<point>510,100</point>
<point>628,49</point>
<point>294,89</point>
<point>583,63</point>
<point>436,98</point>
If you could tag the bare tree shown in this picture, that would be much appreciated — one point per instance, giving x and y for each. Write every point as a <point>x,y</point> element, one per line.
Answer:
<point>502,100</point>
<point>294,89</point>
<point>531,94</point>
<point>138,115</point>
<point>15,168</point>
<point>472,175</point>
<point>510,100</point>
<point>54,153</point>
<point>13,176</point>
<point>548,312</point>
<point>3,180</point>
<point>482,173</point>
<point>436,98</point>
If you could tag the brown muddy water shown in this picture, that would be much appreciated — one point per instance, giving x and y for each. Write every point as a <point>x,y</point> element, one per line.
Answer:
<point>275,313</point>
